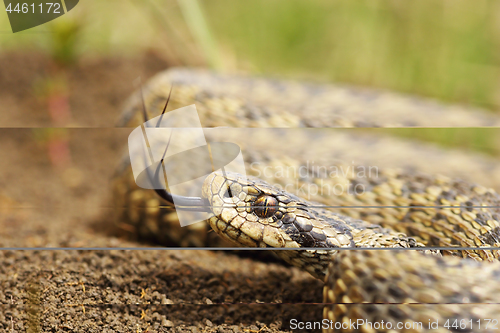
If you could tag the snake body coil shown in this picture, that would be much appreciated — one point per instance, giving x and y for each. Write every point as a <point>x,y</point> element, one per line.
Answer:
<point>405,208</point>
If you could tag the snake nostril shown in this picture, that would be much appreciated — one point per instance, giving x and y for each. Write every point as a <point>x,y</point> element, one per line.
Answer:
<point>228,193</point>
<point>265,206</point>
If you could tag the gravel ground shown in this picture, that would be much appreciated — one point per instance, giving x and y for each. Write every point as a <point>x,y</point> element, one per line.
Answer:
<point>44,203</point>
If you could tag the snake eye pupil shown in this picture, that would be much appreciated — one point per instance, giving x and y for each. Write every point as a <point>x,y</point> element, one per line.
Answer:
<point>265,206</point>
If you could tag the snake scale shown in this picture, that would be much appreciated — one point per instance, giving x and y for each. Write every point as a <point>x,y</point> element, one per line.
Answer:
<point>419,196</point>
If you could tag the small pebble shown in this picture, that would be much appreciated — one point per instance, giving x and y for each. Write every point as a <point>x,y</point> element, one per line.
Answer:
<point>167,323</point>
<point>165,300</point>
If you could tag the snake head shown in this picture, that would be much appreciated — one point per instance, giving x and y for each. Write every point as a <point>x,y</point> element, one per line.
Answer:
<point>250,212</point>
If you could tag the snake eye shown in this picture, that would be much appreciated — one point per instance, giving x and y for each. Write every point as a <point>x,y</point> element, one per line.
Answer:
<point>265,206</point>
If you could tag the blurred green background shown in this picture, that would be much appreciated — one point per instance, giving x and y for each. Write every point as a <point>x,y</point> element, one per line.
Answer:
<point>443,49</point>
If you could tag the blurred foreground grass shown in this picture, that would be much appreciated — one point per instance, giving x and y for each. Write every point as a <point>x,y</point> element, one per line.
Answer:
<point>444,49</point>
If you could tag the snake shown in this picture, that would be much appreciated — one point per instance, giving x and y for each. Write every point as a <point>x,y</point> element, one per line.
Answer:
<point>369,247</point>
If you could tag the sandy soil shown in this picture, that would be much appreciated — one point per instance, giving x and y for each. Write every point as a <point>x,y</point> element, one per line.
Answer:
<point>54,192</point>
